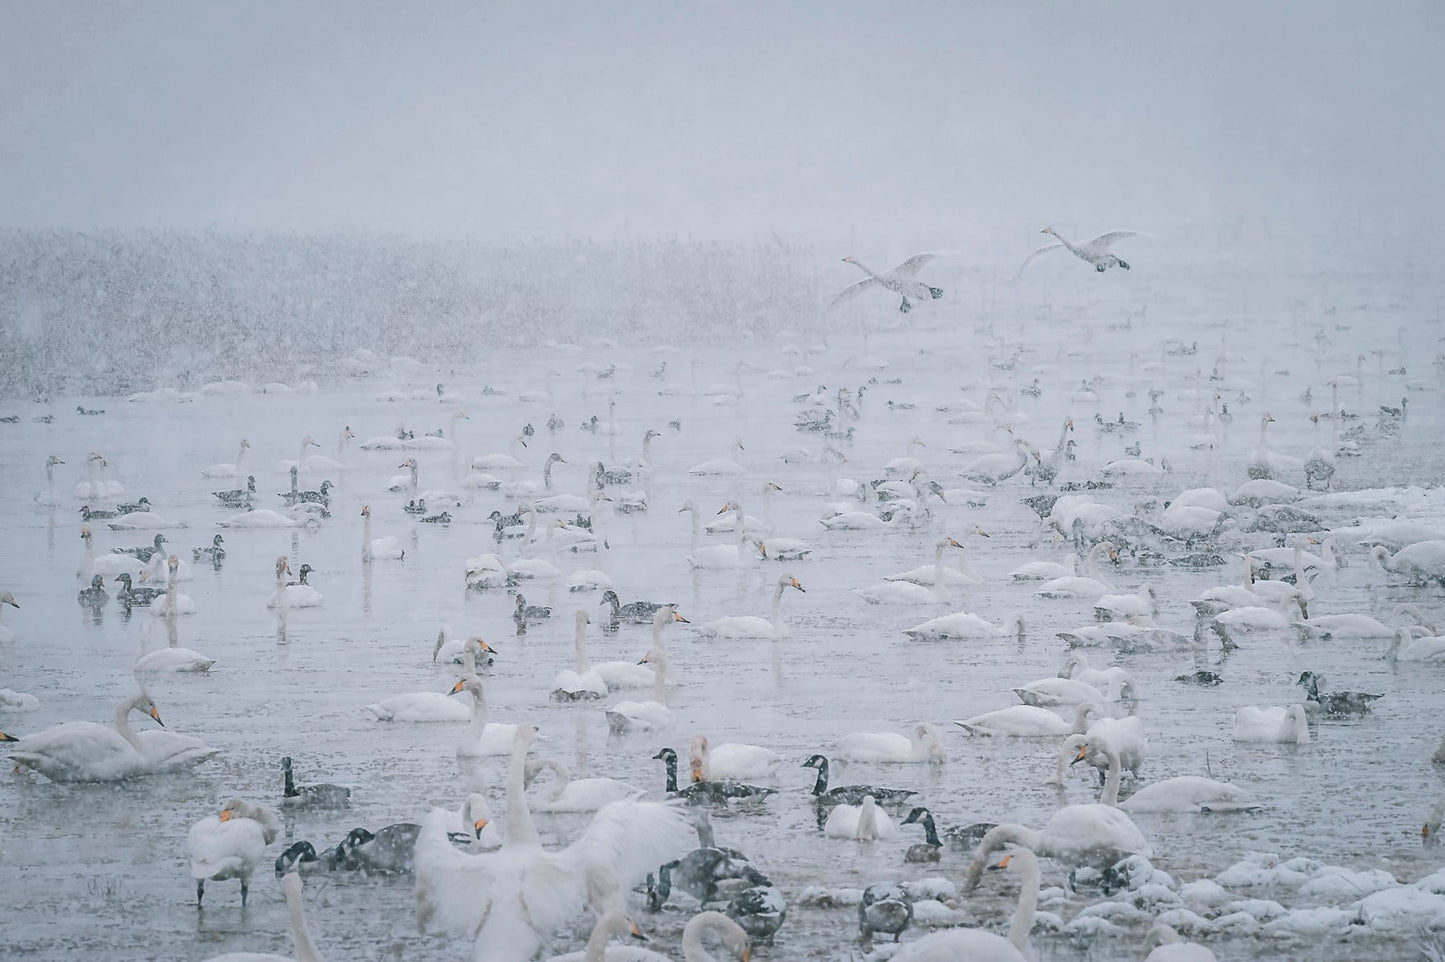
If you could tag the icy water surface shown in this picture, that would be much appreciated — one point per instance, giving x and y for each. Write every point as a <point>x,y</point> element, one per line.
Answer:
<point>99,871</point>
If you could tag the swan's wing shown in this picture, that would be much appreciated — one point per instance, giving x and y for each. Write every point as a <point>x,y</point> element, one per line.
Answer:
<point>1100,244</point>
<point>453,889</point>
<point>625,841</point>
<point>1042,250</point>
<point>852,291</point>
<point>913,265</point>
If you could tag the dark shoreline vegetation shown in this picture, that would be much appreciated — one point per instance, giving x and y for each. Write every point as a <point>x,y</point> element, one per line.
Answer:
<point>112,313</point>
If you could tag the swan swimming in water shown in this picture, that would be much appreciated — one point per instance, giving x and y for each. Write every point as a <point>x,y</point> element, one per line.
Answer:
<point>923,746</point>
<point>752,626</point>
<point>378,549</point>
<point>88,752</point>
<point>1272,724</point>
<point>232,470</point>
<point>976,945</point>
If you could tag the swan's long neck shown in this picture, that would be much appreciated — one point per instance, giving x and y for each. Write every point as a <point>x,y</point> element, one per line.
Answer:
<point>696,528</point>
<point>1023,921</point>
<point>306,950</point>
<point>1065,241</point>
<point>657,658</point>
<point>301,458</point>
<point>1070,748</point>
<point>547,474</point>
<point>1301,724</point>
<point>692,948</point>
<point>1263,426</point>
<point>613,923</point>
<point>938,565</point>
<point>580,646</point>
<point>1111,781</point>
<point>414,472</point>
<point>366,542</point>
<point>864,268</point>
<point>996,838</point>
<point>520,827</point>
<point>122,720</point>
<point>240,456</point>
<point>741,532</point>
<point>867,820</point>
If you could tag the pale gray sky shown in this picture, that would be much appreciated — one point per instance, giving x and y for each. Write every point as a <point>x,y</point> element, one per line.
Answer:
<point>925,123</point>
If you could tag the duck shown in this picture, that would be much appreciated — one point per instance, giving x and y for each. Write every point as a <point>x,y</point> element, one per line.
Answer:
<point>238,497</point>
<point>215,554</point>
<point>930,849</point>
<point>1333,704</point>
<point>864,822</point>
<point>922,746</point>
<point>752,626</point>
<point>577,795</point>
<point>508,899</point>
<point>306,949</point>
<point>900,280</point>
<point>389,850</point>
<point>731,760</point>
<point>703,790</point>
<point>230,845</point>
<point>634,612</point>
<point>885,908</point>
<point>320,795</point>
<point>144,553</point>
<point>976,945</point>
<point>525,614</point>
<point>94,596</point>
<point>759,911</point>
<point>583,683</point>
<point>1094,251</point>
<point>133,596</point>
<point>850,794</point>
<point>1272,724</point>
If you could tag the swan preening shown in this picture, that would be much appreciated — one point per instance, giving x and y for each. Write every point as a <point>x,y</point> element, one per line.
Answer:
<point>900,280</point>
<point>230,845</point>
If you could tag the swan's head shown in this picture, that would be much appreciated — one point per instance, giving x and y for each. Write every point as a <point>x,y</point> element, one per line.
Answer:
<point>651,433</point>
<point>555,458</point>
<point>173,563</point>
<point>366,511</point>
<point>470,683</point>
<point>849,260</point>
<point>1082,753</point>
<point>582,617</point>
<point>245,443</point>
<point>788,581</point>
<point>97,456</point>
<point>52,460</point>
<point>1049,230</point>
<point>481,643</point>
<point>283,566</point>
<point>408,463</point>
<point>346,432</point>
<point>308,442</point>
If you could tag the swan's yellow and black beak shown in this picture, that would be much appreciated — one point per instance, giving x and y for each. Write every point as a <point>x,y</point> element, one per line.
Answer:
<point>156,714</point>
<point>459,686</point>
<point>7,737</point>
<point>635,932</point>
<point>980,532</point>
<point>486,647</point>
<point>696,766</point>
<point>1083,752</point>
<point>1003,862</point>
<point>747,952</point>
<point>793,582</point>
<point>678,617</point>
<point>478,825</point>
<point>1114,555</point>
<point>954,544</point>
<point>226,815</point>
<point>643,659</point>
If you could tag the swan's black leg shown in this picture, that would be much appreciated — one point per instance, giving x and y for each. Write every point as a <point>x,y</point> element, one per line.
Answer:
<point>200,891</point>
<point>244,890</point>
<point>905,307</point>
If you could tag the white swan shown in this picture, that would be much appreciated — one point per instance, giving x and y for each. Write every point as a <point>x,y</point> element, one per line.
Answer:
<point>1406,647</point>
<point>1183,793</point>
<point>228,470</point>
<point>723,466</point>
<point>481,737</point>
<point>1166,947</point>
<point>318,463</point>
<point>298,594</point>
<point>626,674</point>
<point>731,937</point>
<point>423,706</point>
<point>1271,724</point>
<point>501,462</point>
<point>965,626</point>
<point>262,518</point>
<point>900,280</point>
<point>923,746</point>
<point>302,464</point>
<point>864,822</point>
<point>172,603</point>
<point>731,760</point>
<point>578,795</point>
<point>936,574</point>
<point>1420,562</point>
<point>306,950</point>
<point>976,945</point>
<point>230,845</point>
<point>48,498</point>
<point>654,715</point>
<point>378,549</point>
<point>753,626</point>
<point>1088,587</point>
<point>87,752</point>
<point>583,683</point>
<point>7,598</point>
<point>512,899</point>
<point>1017,721</point>
<point>1094,251</point>
<point>94,488</point>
